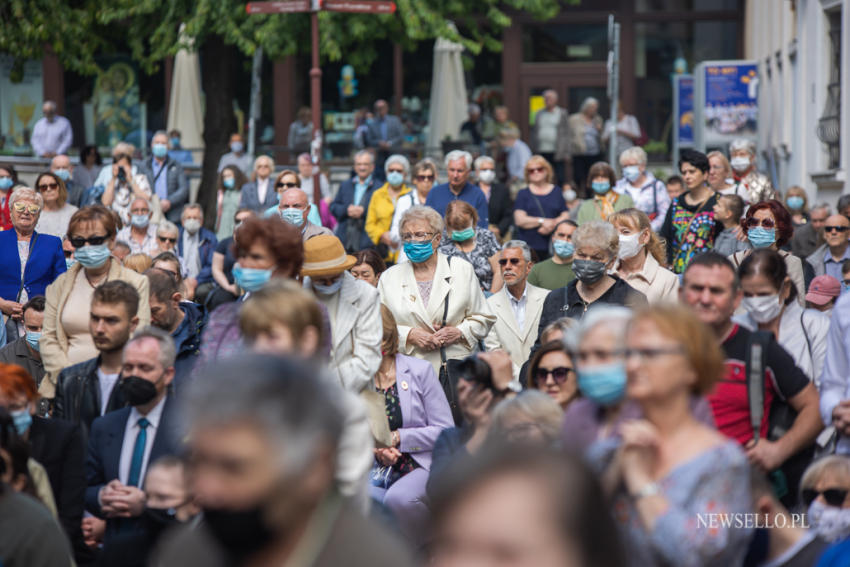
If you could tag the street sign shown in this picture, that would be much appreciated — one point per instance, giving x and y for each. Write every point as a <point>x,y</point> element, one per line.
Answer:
<point>290,7</point>
<point>364,7</point>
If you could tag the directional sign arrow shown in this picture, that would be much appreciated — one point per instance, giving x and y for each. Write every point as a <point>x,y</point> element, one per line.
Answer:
<point>290,7</point>
<point>360,6</point>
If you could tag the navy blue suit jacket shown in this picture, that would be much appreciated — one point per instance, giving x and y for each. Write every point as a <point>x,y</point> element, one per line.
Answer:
<point>46,262</point>
<point>339,209</point>
<point>104,451</point>
<point>205,251</point>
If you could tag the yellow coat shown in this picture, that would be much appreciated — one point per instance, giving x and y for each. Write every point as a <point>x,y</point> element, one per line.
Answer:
<point>379,217</point>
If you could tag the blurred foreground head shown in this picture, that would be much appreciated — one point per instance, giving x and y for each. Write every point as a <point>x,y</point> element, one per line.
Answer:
<point>522,507</point>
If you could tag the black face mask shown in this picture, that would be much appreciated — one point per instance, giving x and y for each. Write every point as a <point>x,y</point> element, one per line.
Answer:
<point>137,391</point>
<point>157,520</point>
<point>242,533</point>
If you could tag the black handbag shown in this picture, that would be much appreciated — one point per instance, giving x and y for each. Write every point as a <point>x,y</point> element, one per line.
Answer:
<point>449,369</point>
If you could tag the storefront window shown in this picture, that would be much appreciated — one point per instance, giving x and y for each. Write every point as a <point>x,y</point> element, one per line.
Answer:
<point>686,5</point>
<point>564,43</point>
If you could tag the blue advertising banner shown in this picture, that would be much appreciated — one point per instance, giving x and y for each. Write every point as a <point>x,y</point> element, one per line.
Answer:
<point>729,100</point>
<point>685,109</point>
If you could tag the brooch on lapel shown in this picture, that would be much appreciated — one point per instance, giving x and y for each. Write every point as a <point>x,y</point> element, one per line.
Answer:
<point>403,385</point>
<point>412,298</point>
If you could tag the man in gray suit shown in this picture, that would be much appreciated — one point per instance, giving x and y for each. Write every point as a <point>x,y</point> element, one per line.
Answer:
<point>550,135</point>
<point>385,134</point>
<point>260,194</point>
<point>166,178</point>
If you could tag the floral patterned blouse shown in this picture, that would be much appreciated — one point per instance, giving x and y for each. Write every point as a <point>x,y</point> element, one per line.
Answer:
<point>485,246</point>
<point>689,230</point>
<point>406,463</point>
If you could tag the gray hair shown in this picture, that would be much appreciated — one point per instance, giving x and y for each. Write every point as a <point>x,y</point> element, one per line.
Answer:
<point>261,159</point>
<point>822,206</point>
<point>533,405</point>
<point>511,132</point>
<point>123,243</point>
<point>587,102</point>
<point>522,245</point>
<point>598,234</point>
<point>481,160</point>
<point>397,158</point>
<point>843,202</point>
<point>564,324</point>
<point>635,153</point>
<point>50,104</point>
<point>553,92</point>
<point>616,318</point>
<point>299,415</point>
<point>368,153</point>
<point>167,350</point>
<point>455,155</point>
<point>27,194</point>
<point>167,227</point>
<point>159,133</point>
<point>421,212</point>
<point>473,108</point>
<point>742,144</point>
<point>192,207</point>
<point>836,465</point>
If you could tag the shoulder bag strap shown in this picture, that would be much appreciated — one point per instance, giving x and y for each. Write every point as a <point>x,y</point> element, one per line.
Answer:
<point>445,315</point>
<point>756,359</point>
<point>696,213</point>
<point>808,340</point>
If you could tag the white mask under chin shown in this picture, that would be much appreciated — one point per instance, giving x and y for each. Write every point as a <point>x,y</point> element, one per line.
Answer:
<point>829,522</point>
<point>763,308</point>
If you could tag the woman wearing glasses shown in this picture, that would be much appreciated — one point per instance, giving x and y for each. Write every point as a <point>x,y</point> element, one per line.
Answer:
<point>437,303</point>
<point>66,338</point>
<point>424,178</point>
<point>57,211</point>
<point>30,260</point>
<point>768,225</point>
<point>288,179</point>
<point>824,489</point>
<point>668,468</point>
<point>539,208</point>
<point>552,372</point>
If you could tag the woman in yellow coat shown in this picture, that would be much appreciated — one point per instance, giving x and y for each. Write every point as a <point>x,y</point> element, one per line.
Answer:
<point>379,218</point>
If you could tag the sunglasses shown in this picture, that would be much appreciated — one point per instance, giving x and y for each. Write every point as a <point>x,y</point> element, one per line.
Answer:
<point>78,242</point>
<point>536,169</point>
<point>835,228</point>
<point>766,223</point>
<point>833,496</point>
<point>541,375</point>
<point>166,239</point>
<point>424,178</point>
<point>513,261</point>
<point>287,184</point>
<point>31,209</point>
<point>47,186</point>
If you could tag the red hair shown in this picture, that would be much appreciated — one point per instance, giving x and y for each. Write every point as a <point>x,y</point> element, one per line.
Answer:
<point>784,226</point>
<point>15,381</point>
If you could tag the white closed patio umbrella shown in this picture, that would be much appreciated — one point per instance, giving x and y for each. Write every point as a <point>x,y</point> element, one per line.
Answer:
<point>185,111</point>
<point>448,94</point>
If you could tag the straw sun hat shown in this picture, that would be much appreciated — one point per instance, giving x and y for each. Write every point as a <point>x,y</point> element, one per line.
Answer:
<point>324,255</point>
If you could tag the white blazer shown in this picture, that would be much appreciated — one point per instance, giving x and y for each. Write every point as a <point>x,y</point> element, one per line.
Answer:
<point>506,333</point>
<point>356,333</point>
<point>468,311</point>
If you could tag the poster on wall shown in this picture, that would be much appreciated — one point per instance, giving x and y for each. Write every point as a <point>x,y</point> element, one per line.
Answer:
<point>115,105</point>
<point>726,102</point>
<point>683,115</point>
<point>20,104</point>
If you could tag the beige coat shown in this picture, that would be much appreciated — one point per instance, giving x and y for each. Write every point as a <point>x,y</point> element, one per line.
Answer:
<point>657,283</point>
<point>468,311</point>
<point>54,341</point>
<point>506,334</point>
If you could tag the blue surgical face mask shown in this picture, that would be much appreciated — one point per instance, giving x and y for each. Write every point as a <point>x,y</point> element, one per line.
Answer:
<point>604,384</point>
<point>293,216</point>
<point>251,279</point>
<point>395,178</point>
<point>175,142</point>
<point>62,174</point>
<point>159,150</point>
<point>418,252</point>
<point>795,202</point>
<point>229,183</point>
<point>140,221</point>
<point>328,289</point>
<point>463,235</point>
<point>5,183</point>
<point>563,248</point>
<point>91,256</point>
<point>236,147</point>
<point>32,339</point>
<point>761,237</point>
<point>845,288</point>
<point>22,420</point>
<point>631,173</point>
<point>601,187</point>
<point>69,262</point>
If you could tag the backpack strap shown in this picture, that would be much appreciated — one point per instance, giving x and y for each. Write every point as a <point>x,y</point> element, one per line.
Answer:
<point>756,364</point>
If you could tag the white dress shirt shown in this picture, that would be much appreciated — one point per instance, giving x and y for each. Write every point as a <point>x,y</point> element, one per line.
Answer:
<point>518,305</point>
<point>191,256</point>
<point>129,442</point>
<point>262,189</point>
<point>149,244</point>
<point>54,137</point>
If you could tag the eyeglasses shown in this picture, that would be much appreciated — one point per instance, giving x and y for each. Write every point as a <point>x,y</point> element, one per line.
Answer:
<point>536,169</point>
<point>833,496</point>
<point>31,209</point>
<point>79,242</point>
<point>513,261</point>
<point>753,222</point>
<point>835,228</point>
<point>417,236</point>
<point>287,184</point>
<point>559,375</point>
<point>47,186</point>
<point>166,239</point>
<point>650,353</point>
<point>424,178</point>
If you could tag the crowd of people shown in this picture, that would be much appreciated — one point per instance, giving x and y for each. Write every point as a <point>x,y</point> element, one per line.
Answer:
<point>627,371</point>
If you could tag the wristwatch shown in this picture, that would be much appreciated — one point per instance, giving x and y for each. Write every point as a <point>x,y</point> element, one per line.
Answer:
<point>540,220</point>
<point>648,489</point>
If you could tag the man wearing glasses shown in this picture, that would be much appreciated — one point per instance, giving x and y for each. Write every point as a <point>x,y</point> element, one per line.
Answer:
<point>828,258</point>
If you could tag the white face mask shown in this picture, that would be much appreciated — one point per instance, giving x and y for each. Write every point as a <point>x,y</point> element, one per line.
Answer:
<point>829,522</point>
<point>569,195</point>
<point>486,176</point>
<point>740,163</point>
<point>763,308</point>
<point>629,245</point>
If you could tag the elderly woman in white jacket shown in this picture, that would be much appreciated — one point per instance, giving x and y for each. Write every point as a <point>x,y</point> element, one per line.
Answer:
<point>436,303</point>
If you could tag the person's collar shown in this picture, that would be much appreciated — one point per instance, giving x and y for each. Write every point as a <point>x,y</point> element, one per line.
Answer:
<point>828,253</point>
<point>366,181</point>
<point>154,415</point>
<point>524,292</point>
<point>462,189</point>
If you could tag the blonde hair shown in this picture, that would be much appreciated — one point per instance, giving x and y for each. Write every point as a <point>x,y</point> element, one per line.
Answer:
<point>139,263</point>
<point>457,212</point>
<point>533,405</point>
<point>282,302</point>
<point>538,160</point>
<point>389,340</point>
<point>719,155</point>
<point>636,219</point>
<point>838,465</point>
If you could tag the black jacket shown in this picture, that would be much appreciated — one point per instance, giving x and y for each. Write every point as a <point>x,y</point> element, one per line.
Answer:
<point>78,395</point>
<point>352,232</point>
<point>500,207</point>
<point>566,302</point>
